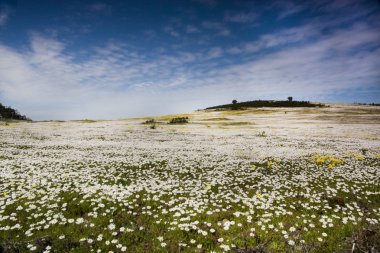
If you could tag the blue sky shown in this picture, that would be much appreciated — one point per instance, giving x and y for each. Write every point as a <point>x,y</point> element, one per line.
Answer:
<point>117,59</point>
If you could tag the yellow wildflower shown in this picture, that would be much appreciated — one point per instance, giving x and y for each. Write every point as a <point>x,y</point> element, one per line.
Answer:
<point>329,161</point>
<point>359,157</point>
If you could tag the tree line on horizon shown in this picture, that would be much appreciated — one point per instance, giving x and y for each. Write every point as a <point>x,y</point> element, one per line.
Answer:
<point>266,103</point>
<point>7,112</point>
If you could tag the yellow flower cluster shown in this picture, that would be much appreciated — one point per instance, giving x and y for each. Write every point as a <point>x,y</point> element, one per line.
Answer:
<point>359,157</point>
<point>329,161</point>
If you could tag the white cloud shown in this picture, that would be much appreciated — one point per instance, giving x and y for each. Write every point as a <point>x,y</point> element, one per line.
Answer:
<point>321,67</point>
<point>44,81</point>
<point>192,29</point>
<point>278,39</point>
<point>289,8</point>
<point>49,79</point>
<point>170,30</point>
<point>214,53</point>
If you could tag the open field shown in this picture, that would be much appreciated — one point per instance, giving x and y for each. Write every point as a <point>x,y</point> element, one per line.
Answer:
<point>260,180</point>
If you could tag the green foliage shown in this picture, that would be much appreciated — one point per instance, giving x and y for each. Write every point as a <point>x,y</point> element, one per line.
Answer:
<point>10,113</point>
<point>143,226</point>
<point>87,121</point>
<point>265,103</point>
<point>262,134</point>
<point>23,147</point>
<point>149,121</point>
<point>179,120</point>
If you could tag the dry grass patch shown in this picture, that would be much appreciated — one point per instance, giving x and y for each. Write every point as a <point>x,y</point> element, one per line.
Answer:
<point>248,111</point>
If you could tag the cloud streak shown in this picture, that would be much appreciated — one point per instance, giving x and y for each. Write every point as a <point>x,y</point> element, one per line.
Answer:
<point>45,80</point>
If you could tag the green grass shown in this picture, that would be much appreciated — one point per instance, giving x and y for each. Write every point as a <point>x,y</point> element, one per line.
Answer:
<point>24,147</point>
<point>147,225</point>
<point>86,121</point>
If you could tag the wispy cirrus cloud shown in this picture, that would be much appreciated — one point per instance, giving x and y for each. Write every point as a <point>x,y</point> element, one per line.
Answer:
<point>319,67</point>
<point>192,55</point>
<point>46,82</point>
<point>171,30</point>
<point>192,29</point>
<point>289,8</point>
<point>281,38</point>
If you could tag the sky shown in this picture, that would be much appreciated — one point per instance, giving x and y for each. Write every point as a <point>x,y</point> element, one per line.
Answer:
<point>119,59</point>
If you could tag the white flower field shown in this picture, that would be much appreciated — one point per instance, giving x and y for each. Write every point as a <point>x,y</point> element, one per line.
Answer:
<point>260,180</point>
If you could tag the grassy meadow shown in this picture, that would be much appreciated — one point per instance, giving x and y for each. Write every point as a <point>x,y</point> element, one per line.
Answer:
<point>285,180</point>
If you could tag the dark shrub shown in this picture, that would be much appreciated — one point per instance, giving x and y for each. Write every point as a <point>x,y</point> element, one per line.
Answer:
<point>179,120</point>
<point>149,121</point>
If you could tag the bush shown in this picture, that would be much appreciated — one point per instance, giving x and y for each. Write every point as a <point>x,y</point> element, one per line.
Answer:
<point>179,120</point>
<point>149,121</point>
<point>10,113</point>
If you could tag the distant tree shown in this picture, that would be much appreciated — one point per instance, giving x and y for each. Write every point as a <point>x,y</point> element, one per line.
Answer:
<point>290,99</point>
<point>267,103</point>
<point>10,113</point>
<point>234,101</point>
